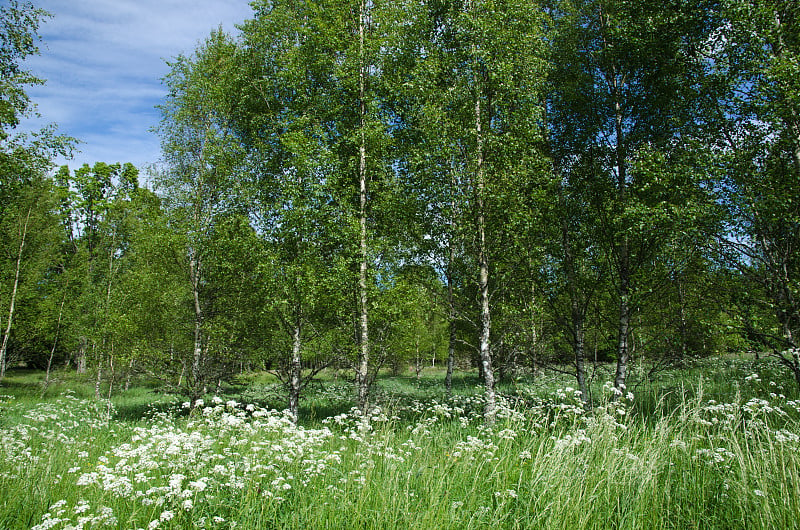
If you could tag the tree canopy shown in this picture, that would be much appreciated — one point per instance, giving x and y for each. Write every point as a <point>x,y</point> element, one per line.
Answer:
<point>357,185</point>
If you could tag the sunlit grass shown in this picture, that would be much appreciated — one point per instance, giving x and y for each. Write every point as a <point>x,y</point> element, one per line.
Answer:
<point>684,458</point>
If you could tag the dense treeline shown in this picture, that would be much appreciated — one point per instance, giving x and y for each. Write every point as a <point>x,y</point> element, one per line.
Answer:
<point>366,184</point>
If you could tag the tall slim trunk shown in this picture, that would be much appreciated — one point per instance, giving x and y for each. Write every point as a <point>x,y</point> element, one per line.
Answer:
<point>295,372</point>
<point>80,362</point>
<point>99,378</point>
<point>623,346</point>
<point>577,312</point>
<point>107,308</point>
<point>197,352</point>
<point>55,343</point>
<point>129,374</point>
<point>534,332</point>
<point>483,273</point>
<point>623,349</point>
<point>10,319</point>
<point>624,276</point>
<point>363,306</point>
<point>451,344</point>
<point>180,377</point>
<point>451,302</point>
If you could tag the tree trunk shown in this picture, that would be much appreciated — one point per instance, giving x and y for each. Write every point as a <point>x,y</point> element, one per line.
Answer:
<point>196,382</point>
<point>534,347</point>
<point>80,363</point>
<point>129,374</point>
<point>577,311</point>
<point>796,365</point>
<point>417,361</point>
<point>623,351</point>
<point>55,343</point>
<point>794,351</point>
<point>99,379</point>
<point>451,302</point>
<point>451,361</point>
<point>110,383</point>
<point>363,307</point>
<point>483,274</point>
<point>107,310</point>
<point>451,344</point>
<point>183,372</point>
<point>295,373</point>
<point>4,346</point>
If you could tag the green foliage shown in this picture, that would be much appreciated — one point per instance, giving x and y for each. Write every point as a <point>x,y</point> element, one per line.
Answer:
<point>760,157</point>
<point>28,198</point>
<point>19,24</point>
<point>623,174</point>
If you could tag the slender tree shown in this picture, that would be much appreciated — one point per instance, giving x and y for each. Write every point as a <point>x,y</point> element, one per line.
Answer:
<point>202,157</point>
<point>627,90</point>
<point>26,206</point>
<point>755,53</point>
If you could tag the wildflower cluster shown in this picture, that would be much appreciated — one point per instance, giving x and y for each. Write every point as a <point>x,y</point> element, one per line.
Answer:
<point>186,470</point>
<point>68,422</point>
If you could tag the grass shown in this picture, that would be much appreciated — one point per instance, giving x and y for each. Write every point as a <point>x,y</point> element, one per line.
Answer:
<point>721,451</point>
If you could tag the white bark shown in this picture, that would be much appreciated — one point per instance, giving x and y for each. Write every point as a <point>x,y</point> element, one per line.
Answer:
<point>490,410</point>
<point>295,373</point>
<point>14,289</point>
<point>363,307</point>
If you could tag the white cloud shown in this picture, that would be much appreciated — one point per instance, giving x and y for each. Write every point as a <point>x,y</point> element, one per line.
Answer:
<point>103,61</point>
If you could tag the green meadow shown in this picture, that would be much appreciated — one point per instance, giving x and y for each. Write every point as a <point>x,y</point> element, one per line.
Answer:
<point>720,450</point>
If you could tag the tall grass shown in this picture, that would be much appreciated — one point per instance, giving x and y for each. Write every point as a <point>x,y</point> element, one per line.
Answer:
<point>681,460</point>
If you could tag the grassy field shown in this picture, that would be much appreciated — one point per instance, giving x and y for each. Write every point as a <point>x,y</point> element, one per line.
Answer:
<point>715,446</point>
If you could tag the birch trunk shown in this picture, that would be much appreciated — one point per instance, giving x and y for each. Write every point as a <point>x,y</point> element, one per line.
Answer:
<point>490,410</point>
<point>534,332</point>
<point>14,289</point>
<point>576,309</point>
<point>363,307</point>
<point>80,363</point>
<point>197,351</point>
<point>55,343</point>
<point>99,378</point>
<point>623,350</point>
<point>451,345</point>
<point>296,374</point>
<point>451,302</point>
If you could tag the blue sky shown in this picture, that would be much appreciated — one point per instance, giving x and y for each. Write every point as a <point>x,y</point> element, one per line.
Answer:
<point>103,61</point>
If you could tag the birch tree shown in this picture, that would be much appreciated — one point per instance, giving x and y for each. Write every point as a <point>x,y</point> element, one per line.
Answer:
<point>201,159</point>
<point>629,93</point>
<point>26,207</point>
<point>756,52</point>
<point>474,108</point>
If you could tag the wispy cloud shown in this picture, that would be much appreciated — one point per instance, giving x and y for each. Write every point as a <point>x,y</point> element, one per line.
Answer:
<point>103,61</point>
